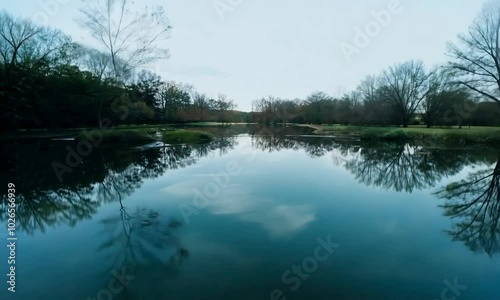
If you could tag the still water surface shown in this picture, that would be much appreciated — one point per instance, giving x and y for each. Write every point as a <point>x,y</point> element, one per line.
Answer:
<point>256,216</point>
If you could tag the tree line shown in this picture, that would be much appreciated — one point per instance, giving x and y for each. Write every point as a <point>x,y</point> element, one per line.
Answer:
<point>464,91</point>
<point>49,81</point>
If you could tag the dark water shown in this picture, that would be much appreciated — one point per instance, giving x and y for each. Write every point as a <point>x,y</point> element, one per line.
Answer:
<point>254,216</point>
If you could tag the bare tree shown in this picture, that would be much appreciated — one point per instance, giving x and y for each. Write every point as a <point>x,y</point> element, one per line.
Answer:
<point>173,98</point>
<point>201,104</point>
<point>267,110</point>
<point>21,41</point>
<point>132,37</point>
<point>404,87</point>
<point>15,34</point>
<point>27,47</point>
<point>316,104</point>
<point>96,62</point>
<point>475,59</point>
<point>368,88</point>
<point>224,107</point>
<point>433,106</point>
<point>374,109</point>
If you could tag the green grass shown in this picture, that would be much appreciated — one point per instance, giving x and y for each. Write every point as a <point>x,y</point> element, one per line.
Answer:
<point>481,135</point>
<point>214,124</point>
<point>144,126</point>
<point>187,137</point>
<point>146,135</point>
<point>117,136</point>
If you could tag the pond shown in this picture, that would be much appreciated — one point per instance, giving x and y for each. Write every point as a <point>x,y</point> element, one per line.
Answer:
<point>260,213</point>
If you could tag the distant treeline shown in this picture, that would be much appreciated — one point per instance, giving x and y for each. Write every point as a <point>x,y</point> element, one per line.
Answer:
<point>464,91</point>
<point>453,108</point>
<point>49,81</point>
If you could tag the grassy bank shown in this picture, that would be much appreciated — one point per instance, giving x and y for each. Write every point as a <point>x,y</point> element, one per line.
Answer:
<point>141,136</point>
<point>25,134</point>
<point>117,136</point>
<point>187,137</point>
<point>211,124</point>
<point>451,135</point>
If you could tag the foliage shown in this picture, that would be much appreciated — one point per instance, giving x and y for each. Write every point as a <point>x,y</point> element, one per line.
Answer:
<point>473,135</point>
<point>48,81</point>
<point>187,137</point>
<point>118,136</point>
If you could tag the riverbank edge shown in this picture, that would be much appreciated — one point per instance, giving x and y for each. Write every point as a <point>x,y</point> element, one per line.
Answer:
<point>145,135</point>
<point>464,136</point>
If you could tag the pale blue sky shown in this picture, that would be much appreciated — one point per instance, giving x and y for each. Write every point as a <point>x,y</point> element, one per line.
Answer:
<point>285,48</point>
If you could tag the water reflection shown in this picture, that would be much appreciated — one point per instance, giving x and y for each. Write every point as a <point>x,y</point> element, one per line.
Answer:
<point>111,175</point>
<point>314,147</point>
<point>475,202</point>
<point>401,167</point>
<point>406,167</point>
<point>147,246</point>
<point>107,175</point>
<point>143,240</point>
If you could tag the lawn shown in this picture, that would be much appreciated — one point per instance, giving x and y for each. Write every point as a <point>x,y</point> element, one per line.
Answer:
<point>144,135</point>
<point>475,134</point>
<point>116,136</point>
<point>187,137</point>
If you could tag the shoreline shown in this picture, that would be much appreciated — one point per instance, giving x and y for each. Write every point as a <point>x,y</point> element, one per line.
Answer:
<point>436,135</point>
<point>439,135</point>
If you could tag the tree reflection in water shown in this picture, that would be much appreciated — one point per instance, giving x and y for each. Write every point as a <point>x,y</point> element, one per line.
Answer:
<point>110,176</point>
<point>140,238</point>
<point>314,147</point>
<point>401,167</point>
<point>107,175</point>
<point>406,168</point>
<point>147,245</point>
<point>475,201</point>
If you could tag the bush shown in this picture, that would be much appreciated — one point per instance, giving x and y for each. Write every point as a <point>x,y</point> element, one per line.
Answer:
<point>117,136</point>
<point>187,137</point>
<point>397,134</point>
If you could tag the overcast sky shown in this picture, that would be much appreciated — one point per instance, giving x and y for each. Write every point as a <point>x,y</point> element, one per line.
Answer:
<point>248,49</point>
